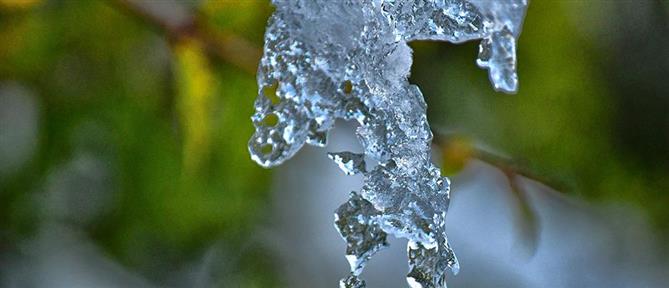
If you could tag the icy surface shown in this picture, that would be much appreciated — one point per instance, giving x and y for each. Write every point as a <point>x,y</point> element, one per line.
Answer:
<point>351,282</point>
<point>356,222</point>
<point>349,59</point>
<point>350,163</point>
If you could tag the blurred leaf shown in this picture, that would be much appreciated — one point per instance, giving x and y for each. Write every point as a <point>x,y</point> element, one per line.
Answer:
<point>195,90</point>
<point>456,153</point>
<point>526,219</point>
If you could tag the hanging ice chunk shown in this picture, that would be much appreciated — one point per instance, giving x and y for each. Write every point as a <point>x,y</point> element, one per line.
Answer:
<point>428,265</point>
<point>351,281</point>
<point>355,222</point>
<point>497,51</point>
<point>502,13</point>
<point>343,59</point>
<point>350,163</point>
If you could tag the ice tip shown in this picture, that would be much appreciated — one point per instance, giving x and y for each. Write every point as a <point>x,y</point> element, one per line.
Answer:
<point>348,162</point>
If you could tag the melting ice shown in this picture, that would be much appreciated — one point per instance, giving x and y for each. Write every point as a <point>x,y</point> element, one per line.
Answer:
<point>349,59</point>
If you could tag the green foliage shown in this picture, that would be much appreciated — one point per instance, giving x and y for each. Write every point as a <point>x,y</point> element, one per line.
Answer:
<point>172,126</point>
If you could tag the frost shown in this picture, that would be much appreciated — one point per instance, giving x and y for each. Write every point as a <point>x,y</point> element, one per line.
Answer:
<point>356,222</point>
<point>349,59</point>
<point>350,163</point>
<point>351,282</point>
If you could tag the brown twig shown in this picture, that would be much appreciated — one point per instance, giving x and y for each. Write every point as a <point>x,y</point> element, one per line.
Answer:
<point>510,167</point>
<point>219,44</point>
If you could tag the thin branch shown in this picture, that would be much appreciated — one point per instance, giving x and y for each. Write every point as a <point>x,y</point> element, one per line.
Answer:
<point>527,223</point>
<point>508,166</point>
<point>221,45</point>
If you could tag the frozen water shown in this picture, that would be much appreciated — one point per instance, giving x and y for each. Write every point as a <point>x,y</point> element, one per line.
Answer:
<point>350,163</point>
<point>351,281</point>
<point>355,221</point>
<point>349,59</point>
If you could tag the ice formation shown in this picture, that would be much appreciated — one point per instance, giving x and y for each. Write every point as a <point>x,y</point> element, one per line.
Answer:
<point>349,59</point>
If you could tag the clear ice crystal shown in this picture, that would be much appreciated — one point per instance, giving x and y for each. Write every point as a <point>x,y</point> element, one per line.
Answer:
<point>428,265</point>
<point>351,281</point>
<point>355,221</point>
<point>349,162</point>
<point>349,59</point>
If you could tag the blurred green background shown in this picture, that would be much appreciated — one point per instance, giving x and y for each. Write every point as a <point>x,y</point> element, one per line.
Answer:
<point>129,120</point>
